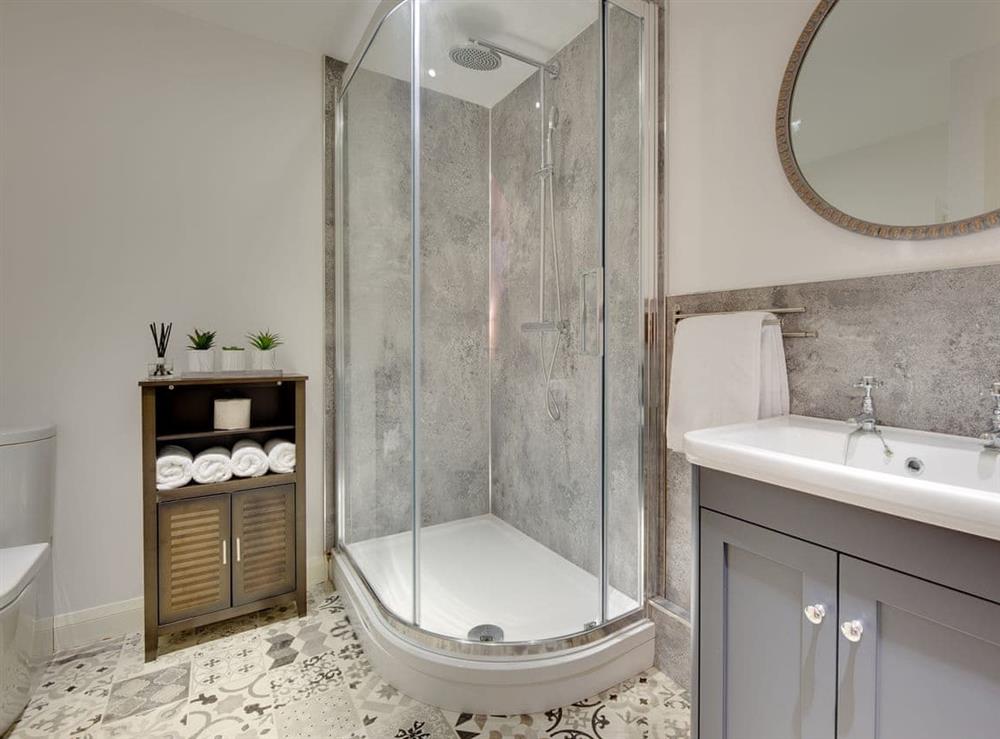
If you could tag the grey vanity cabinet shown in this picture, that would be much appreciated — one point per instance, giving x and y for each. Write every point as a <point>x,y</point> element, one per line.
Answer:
<point>925,663</point>
<point>768,628</point>
<point>907,645</point>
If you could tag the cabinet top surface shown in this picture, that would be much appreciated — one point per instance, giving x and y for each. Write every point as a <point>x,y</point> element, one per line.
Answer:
<point>946,481</point>
<point>224,379</point>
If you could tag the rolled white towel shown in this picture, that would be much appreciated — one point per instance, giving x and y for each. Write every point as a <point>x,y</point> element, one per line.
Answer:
<point>173,467</point>
<point>249,459</point>
<point>213,465</point>
<point>280,455</point>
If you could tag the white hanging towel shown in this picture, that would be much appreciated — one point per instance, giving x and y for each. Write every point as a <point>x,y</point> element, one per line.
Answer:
<point>727,368</point>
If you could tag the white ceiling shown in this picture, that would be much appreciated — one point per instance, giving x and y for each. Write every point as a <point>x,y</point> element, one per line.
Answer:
<point>330,27</point>
<point>535,28</point>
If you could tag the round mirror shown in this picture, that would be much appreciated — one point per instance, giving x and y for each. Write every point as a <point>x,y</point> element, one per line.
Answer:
<point>889,116</point>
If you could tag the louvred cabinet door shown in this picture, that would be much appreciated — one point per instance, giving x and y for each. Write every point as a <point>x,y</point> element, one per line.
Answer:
<point>263,543</point>
<point>194,558</point>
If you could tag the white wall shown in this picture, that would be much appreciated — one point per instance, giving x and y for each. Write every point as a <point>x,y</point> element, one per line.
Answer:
<point>733,219</point>
<point>154,167</point>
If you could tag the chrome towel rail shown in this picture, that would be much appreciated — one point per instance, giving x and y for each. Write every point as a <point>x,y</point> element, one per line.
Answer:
<point>678,315</point>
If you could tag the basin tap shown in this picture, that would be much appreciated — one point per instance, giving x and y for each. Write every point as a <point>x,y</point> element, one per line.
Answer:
<point>866,421</point>
<point>991,439</point>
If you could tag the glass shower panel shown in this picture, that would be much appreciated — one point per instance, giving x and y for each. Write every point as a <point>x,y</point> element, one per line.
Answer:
<point>509,402</point>
<point>624,305</point>
<point>451,330</point>
<point>374,336</point>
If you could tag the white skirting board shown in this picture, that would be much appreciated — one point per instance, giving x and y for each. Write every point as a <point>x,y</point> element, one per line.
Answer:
<point>93,624</point>
<point>78,628</point>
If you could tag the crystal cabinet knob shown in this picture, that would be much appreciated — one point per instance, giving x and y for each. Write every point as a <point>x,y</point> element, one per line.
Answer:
<point>815,613</point>
<point>852,630</point>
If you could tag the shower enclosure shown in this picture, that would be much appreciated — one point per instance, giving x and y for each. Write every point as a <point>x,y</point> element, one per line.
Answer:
<point>496,283</point>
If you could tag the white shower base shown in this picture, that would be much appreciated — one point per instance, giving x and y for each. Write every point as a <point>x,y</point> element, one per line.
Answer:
<point>482,570</point>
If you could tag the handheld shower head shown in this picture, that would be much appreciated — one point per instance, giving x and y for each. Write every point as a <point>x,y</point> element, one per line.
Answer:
<point>553,118</point>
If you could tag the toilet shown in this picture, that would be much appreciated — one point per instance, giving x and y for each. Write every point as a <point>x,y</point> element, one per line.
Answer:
<point>27,477</point>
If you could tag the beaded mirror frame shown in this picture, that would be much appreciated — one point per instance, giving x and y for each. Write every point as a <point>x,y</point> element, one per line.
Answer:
<point>987,220</point>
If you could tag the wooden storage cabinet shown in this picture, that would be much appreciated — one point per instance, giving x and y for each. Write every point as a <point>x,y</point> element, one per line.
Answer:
<point>895,654</point>
<point>263,543</point>
<point>221,550</point>
<point>194,576</point>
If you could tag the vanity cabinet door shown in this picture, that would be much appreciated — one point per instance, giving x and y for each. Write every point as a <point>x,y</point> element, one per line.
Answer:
<point>768,634</point>
<point>194,558</point>
<point>922,661</point>
<point>264,543</point>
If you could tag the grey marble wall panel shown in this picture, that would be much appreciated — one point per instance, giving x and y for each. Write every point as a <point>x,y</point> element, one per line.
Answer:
<point>624,310</point>
<point>677,542</point>
<point>673,642</point>
<point>333,75</point>
<point>547,474</point>
<point>453,426</point>
<point>934,337</point>
<point>377,342</point>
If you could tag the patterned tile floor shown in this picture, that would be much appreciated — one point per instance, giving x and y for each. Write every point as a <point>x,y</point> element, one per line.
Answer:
<point>275,675</point>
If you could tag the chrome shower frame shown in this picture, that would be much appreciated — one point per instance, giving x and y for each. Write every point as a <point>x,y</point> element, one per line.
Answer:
<point>652,337</point>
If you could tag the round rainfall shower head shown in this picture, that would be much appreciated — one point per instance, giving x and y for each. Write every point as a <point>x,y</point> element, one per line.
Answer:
<point>474,56</point>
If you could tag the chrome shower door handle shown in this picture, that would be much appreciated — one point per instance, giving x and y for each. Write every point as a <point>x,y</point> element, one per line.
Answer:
<point>588,336</point>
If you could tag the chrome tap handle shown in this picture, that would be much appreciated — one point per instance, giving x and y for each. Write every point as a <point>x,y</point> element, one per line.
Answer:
<point>868,383</point>
<point>991,438</point>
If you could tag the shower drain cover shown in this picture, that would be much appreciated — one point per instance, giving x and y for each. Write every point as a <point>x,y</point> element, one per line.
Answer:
<point>486,632</point>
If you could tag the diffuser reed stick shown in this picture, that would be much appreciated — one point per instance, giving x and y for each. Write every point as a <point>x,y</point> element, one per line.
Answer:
<point>160,341</point>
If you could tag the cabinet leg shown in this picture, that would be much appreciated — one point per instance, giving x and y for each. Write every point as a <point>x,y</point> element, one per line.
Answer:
<point>152,645</point>
<point>300,602</point>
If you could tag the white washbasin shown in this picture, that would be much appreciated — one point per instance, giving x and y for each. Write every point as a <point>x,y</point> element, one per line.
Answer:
<point>958,486</point>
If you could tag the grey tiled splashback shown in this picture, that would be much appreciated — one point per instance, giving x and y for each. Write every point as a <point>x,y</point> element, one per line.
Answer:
<point>934,337</point>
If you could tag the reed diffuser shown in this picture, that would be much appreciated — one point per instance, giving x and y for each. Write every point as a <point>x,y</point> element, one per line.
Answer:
<point>161,339</point>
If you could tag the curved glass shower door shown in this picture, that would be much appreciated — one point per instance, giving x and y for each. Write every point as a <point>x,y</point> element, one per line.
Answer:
<point>490,316</point>
<point>374,316</point>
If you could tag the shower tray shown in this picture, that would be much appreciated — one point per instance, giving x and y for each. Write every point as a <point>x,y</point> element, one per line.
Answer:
<point>508,677</point>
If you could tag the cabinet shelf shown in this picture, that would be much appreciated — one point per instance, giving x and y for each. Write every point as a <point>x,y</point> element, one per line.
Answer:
<point>234,485</point>
<point>225,432</point>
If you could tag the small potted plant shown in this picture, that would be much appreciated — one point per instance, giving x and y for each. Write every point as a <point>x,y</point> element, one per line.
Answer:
<point>264,356</point>
<point>233,359</point>
<point>200,354</point>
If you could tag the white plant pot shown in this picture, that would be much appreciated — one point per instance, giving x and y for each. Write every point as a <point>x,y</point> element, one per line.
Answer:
<point>262,360</point>
<point>233,361</point>
<point>201,360</point>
